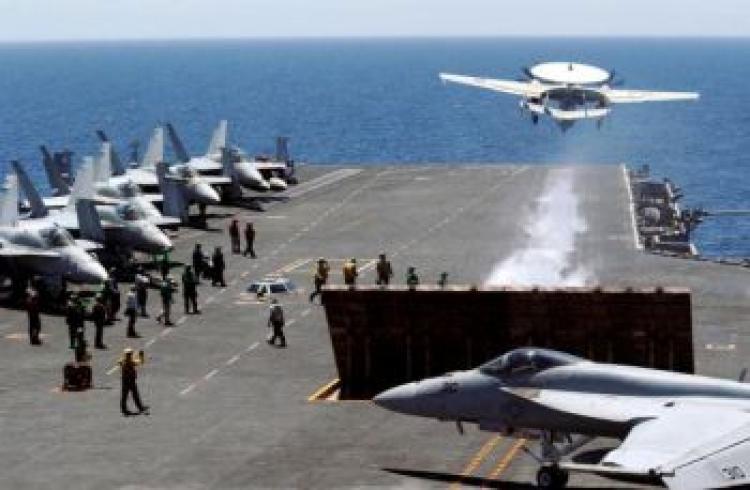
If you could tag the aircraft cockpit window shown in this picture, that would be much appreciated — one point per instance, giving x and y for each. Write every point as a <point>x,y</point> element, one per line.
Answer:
<point>129,189</point>
<point>128,213</point>
<point>188,172</point>
<point>527,360</point>
<point>57,238</point>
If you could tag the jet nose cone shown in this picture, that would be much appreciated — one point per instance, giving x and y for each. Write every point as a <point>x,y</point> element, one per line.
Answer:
<point>400,399</point>
<point>92,272</point>
<point>205,194</point>
<point>250,177</point>
<point>277,183</point>
<point>156,240</point>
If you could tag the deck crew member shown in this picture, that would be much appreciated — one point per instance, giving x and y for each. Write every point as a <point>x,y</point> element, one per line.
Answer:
<point>166,290</point>
<point>412,280</point>
<point>131,311</point>
<point>234,235</point>
<point>276,324</point>
<point>141,284</point>
<point>128,364</point>
<point>384,270</point>
<point>218,268</point>
<point>249,240</point>
<point>321,277</point>
<point>189,290</point>
<point>99,316</point>
<point>350,272</point>
<point>35,320</point>
<point>198,261</point>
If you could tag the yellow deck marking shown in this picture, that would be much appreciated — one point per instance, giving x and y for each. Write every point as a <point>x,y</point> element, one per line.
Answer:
<point>478,459</point>
<point>505,461</point>
<point>322,392</point>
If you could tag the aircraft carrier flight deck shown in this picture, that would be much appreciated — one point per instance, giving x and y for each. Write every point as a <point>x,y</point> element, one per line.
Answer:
<point>230,411</point>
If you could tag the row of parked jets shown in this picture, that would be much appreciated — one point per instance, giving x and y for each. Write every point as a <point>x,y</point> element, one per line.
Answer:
<point>114,204</point>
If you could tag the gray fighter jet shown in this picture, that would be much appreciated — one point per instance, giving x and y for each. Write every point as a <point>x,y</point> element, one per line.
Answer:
<point>190,187</point>
<point>122,224</point>
<point>679,430</point>
<point>42,249</point>
<point>233,173</point>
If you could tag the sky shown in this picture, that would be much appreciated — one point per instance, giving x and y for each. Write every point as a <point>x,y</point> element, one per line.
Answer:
<point>45,20</point>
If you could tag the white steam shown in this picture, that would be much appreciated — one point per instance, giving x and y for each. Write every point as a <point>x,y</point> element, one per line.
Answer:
<point>551,230</point>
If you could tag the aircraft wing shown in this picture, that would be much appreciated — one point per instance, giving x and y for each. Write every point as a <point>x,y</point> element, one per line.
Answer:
<point>8,250</point>
<point>689,446</point>
<point>522,89</point>
<point>216,179</point>
<point>205,165</point>
<point>618,96</point>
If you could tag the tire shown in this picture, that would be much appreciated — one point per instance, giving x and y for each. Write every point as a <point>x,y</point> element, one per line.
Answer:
<point>551,477</point>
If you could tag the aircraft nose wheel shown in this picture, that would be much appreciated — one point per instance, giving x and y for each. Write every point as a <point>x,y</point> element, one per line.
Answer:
<point>551,477</point>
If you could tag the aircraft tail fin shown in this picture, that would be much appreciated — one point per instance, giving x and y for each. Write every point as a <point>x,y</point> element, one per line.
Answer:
<point>38,210</point>
<point>174,203</point>
<point>54,173</point>
<point>83,186</point>
<point>282,149</point>
<point>177,146</point>
<point>155,151</point>
<point>116,165</point>
<point>103,164</point>
<point>89,222</point>
<point>218,139</point>
<point>9,201</point>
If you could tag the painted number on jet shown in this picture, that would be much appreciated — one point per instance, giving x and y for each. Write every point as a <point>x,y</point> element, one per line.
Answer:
<point>733,473</point>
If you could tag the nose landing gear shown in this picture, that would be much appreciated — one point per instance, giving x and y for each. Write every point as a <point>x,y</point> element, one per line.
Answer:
<point>551,476</point>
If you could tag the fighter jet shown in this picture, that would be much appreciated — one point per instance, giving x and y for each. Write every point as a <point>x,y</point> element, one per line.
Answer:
<point>42,249</point>
<point>123,227</point>
<point>213,166</point>
<point>567,92</point>
<point>269,173</point>
<point>189,186</point>
<point>107,190</point>
<point>680,430</point>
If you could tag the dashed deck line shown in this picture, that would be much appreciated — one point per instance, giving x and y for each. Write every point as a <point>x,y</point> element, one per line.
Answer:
<point>478,458</point>
<point>506,459</point>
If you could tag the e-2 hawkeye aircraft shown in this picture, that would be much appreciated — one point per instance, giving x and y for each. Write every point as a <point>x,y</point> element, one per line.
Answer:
<point>567,92</point>
<point>679,430</point>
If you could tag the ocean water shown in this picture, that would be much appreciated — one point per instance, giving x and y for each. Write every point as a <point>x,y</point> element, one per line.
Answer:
<point>370,101</point>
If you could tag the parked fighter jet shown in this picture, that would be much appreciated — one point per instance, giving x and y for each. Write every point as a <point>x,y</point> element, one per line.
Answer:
<point>683,431</point>
<point>123,226</point>
<point>31,248</point>
<point>189,186</point>
<point>567,92</point>
<point>217,164</point>
<point>270,173</point>
<point>107,190</point>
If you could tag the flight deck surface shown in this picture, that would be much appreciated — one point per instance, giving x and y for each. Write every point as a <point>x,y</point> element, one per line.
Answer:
<point>230,411</point>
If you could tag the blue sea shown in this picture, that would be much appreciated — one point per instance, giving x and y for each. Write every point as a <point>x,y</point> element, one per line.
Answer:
<point>370,101</point>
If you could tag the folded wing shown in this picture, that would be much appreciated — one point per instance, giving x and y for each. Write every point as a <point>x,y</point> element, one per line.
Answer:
<point>689,447</point>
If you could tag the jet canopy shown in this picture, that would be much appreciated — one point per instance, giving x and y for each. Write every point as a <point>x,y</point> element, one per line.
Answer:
<point>56,238</point>
<point>527,360</point>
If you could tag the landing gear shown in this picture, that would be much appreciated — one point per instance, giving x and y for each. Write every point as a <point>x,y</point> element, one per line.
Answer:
<point>551,476</point>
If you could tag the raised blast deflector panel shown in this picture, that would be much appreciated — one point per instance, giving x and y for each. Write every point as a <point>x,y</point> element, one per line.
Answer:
<point>384,337</point>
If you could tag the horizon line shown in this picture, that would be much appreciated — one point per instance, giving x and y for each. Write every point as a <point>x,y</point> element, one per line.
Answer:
<point>375,37</point>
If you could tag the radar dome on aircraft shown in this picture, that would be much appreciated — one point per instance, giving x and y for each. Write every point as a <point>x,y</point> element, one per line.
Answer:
<point>569,73</point>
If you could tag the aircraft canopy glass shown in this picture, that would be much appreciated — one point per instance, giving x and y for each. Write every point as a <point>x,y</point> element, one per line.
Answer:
<point>129,189</point>
<point>129,213</point>
<point>527,360</point>
<point>56,238</point>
